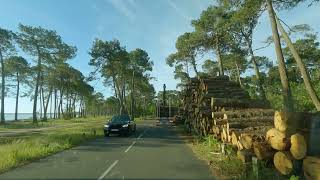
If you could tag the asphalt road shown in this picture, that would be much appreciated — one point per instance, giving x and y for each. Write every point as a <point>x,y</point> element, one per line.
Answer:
<point>153,152</point>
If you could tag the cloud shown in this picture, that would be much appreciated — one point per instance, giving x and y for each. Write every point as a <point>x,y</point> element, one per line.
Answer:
<point>178,10</point>
<point>123,8</point>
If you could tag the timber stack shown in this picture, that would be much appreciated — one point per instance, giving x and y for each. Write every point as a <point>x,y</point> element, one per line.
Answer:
<point>217,106</point>
<point>295,140</point>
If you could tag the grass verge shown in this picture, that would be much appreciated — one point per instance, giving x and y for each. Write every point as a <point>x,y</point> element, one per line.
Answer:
<point>226,166</point>
<point>19,150</point>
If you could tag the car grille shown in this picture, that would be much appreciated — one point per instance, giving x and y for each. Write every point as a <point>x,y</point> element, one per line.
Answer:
<point>115,126</point>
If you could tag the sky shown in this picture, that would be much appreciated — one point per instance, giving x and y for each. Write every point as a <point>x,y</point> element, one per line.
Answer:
<point>152,25</point>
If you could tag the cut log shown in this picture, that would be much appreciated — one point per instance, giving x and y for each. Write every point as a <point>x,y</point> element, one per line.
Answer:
<point>263,150</point>
<point>243,113</point>
<point>290,122</point>
<point>240,103</point>
<point>246,140</point>
<point>277,140</point>
<point>283,161</point>
<point>235,137</point>
<point>244,155</point>
<point>253,121</point>
<point>311,168</point>
<point>224,135</point>
<point>239,145</point>
<point>298,147</point>
<point>216,130</point>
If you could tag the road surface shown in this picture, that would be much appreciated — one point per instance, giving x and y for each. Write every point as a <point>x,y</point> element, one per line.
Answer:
<point>152,153</point>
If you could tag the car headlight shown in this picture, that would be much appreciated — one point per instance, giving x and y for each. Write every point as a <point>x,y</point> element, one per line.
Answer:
<point>126,125</point>
<point>106,125</point>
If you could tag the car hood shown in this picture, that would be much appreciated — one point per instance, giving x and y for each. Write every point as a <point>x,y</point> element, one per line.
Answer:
<point>118,123</point>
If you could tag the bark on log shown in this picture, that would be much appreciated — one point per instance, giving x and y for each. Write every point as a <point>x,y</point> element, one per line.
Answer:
<point>244,155</point>
<point>244,113</point>
<point>239,145</point>
<point>246,140</point>
<point>277,140</point>
<point>263,150</point>
<point>240,103</point>
<point>235,137</point>
<point>283,161</point>
<point>311,168</point>
<point>254,121</point>
<point>298,147</point>
<point>224,134</point>
<point>216,130</point>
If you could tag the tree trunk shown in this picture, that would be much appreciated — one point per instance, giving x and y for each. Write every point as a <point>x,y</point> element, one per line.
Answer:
<point>45,107</point>
<point>287,96</point>
<point>51,106</point>
<point>119,94</point>
<point>132,96</point>
<point>55,104</point>
<point>34,111</point>
<point>2,88</point>
<point>40,99</point>
<point>80,108</point>
<point>221,71</point>
<point>194,65</point>
<point>61,102</point>
<point>17,98</point>
<point>238,74</point>
<point>74,106</point>
<point>304,73</point>
<point>256,69</point>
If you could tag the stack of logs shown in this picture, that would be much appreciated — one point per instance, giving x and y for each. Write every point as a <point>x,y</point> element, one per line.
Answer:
<point>295,143</point>
<point>220,107</point>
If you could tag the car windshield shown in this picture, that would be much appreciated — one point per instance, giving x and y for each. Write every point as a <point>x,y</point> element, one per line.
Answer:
<point>116,119</point>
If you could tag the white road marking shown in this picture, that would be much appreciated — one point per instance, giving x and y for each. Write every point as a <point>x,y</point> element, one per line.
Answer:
<point>139,137</point>
<point>134,142</point>
<point>108,170</point>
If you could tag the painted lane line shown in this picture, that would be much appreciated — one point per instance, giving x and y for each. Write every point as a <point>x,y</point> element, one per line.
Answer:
<point>134,142</point>
<point>108,170</point>
<point>142,133</point>
<point>140,136</point>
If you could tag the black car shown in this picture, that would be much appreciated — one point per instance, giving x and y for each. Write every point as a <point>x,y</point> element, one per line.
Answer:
<point>120,124</point>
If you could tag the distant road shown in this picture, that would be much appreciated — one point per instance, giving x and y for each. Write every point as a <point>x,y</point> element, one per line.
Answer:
<point>152,153</point>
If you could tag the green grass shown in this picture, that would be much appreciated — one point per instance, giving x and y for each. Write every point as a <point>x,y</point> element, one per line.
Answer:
<point>19,150</point>
<point>223,166</point>
<point>27,124</point>
<point>226,166</point>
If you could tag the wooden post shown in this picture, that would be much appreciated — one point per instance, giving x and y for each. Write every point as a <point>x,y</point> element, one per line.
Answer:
<point>255,167</point>
<point>222,145</point>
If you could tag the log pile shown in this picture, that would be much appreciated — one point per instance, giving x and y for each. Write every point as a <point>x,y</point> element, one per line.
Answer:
<point>222,108</point>
<point>294,137</point>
